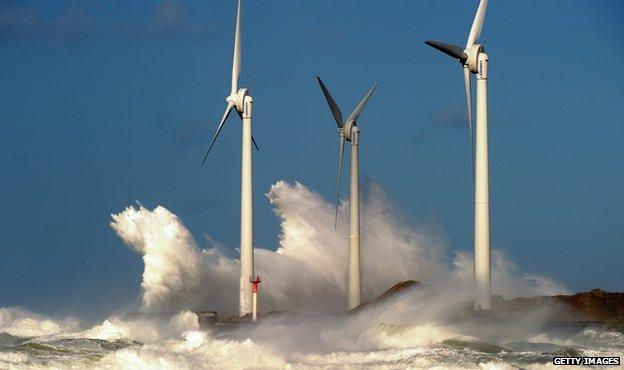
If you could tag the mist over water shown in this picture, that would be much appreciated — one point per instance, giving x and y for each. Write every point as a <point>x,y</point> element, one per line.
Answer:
<point>305,273</point>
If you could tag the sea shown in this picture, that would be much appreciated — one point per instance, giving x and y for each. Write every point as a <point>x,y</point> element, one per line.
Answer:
<point>177,341</point>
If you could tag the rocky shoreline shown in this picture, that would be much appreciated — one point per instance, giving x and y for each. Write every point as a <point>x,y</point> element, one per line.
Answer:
<point>596,306</point>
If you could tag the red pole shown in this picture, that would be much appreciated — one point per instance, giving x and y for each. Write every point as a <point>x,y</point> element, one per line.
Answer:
<point>255,284</point>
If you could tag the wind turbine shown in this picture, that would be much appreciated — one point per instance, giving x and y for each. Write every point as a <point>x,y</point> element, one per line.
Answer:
<point>474,60</point>
<point>349,131</point>
<point>241,100</point>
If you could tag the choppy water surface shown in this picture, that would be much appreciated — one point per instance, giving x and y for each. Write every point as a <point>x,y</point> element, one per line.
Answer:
<point>322,342</point>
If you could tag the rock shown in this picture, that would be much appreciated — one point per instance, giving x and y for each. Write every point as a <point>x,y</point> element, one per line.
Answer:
<point>595,306</point>
<point>598,305</point>
<point>397,289</point>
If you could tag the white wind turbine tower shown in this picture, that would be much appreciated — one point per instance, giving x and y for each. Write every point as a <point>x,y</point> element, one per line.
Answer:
<point>474,60</point>
<point>240,99</point>
<point>348,130</point>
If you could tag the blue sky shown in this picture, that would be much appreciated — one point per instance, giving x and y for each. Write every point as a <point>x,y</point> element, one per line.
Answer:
<point>103,103</point>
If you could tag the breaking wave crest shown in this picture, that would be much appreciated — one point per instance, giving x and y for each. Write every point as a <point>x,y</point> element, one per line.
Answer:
<point>307,271</point>
<point>20,322</point>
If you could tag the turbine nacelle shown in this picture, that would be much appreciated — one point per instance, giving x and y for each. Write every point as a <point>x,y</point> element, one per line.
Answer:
<point>472,60</point>
<point>238,99</point>
<point>347,130</point>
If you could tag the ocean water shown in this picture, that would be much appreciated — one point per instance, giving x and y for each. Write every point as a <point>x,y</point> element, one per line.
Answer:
<point>31,341</point>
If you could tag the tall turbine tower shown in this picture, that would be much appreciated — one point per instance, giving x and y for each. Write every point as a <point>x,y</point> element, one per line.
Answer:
<point>348,130</point>
<point>474,60</point>
<point>240,99</point>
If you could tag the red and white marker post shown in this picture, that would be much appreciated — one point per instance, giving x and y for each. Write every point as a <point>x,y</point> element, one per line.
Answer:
<point>254,297</point>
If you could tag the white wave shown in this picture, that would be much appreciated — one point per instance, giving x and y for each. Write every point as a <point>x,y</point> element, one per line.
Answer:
<point>307,271</point>
<point>24,323</point>
<point>142,329</point>
<point>194,350</point>
<point>172,261</point>
<point>13,360</point>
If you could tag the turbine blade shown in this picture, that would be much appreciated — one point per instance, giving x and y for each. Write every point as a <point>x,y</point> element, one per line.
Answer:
<point>448,49</point>
<point>477,24</point>
<point>228,109</point>
<point>360,107</point>
<point>342,142</point>
<point>469,110</point>
<point>332,104</point>
<point>236,62</point>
